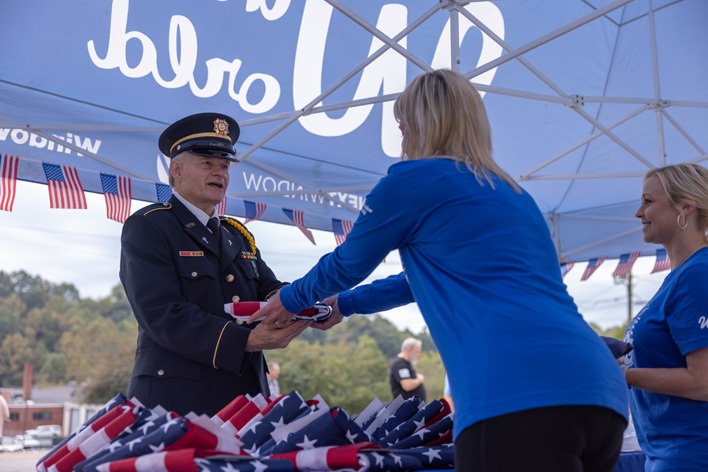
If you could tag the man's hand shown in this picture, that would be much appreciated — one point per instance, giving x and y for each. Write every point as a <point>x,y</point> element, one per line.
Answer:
<point>273,314</point>
<point>269,336</point>
<point>335,318</point>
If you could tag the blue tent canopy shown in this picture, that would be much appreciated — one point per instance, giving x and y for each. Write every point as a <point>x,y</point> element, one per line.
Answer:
<point>584,96</point>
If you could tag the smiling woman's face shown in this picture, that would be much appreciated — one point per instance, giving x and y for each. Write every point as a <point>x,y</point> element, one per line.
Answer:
<point>201,180</point>
<point>657,213</point>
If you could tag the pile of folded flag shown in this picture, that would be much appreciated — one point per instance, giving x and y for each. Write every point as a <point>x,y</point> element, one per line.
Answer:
<point>286,433</point>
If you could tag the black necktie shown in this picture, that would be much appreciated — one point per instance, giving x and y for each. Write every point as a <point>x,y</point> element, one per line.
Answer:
<point>213,225</point>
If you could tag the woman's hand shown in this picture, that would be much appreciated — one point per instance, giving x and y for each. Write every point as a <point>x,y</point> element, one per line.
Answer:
<point>335,318</point>
<point>274,313</point>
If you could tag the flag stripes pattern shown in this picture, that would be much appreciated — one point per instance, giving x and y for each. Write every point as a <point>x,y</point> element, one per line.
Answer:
<point>65,190</point>
<point>286,433</point>
<point>298,218</point>
<point>8,181</point>
<point>118,194</point>
<point>341,228</point>
<point>626,261</point>
<point>565,268</point>
<point>592,266</point>
<point>662,261</point>
<point>254,210</point>
<point>221,207</point>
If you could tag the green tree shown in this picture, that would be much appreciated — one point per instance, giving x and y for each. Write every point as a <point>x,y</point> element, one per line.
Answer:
<point>345,374</point>
<point>15,352</point>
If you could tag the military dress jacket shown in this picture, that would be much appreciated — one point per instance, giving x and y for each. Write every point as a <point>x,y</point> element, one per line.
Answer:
<point>190,354</point>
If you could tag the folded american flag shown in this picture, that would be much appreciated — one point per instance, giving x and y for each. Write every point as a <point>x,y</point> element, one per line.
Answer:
<point>287,433</point>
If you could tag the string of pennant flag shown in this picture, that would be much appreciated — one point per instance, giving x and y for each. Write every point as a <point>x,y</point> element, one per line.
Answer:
<point>624,264</point>
<point>67,192</point>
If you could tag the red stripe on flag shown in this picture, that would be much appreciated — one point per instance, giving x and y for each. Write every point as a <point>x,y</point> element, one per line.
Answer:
<point>8,182</point>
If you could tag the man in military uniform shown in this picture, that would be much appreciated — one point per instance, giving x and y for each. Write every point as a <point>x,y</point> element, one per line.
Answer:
<point>179,264</point>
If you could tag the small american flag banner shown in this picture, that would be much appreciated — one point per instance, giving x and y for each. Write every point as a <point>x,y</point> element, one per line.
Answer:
<point>565,268</point>
<point>297,217</point>
<point>341,228</point>
<point>221,207</point>
<point>164,192</point>
<point>8,181</point>
<point>626,261</point>
<point>592,266</point>
<point>65,189</point>
<point>118,194</point>
<point>254,210</point>
<point>662,261</point>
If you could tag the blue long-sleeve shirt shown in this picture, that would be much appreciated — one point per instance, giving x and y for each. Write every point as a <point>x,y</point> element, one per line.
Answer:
<point>480,263</point>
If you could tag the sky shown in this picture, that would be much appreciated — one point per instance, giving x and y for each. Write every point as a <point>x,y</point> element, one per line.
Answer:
<point>82,247</point>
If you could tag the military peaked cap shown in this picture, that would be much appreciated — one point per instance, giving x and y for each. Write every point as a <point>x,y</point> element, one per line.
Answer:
<point>204,134</point>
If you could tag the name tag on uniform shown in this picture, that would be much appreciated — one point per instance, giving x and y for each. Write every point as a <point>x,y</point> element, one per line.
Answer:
<point>191,253</point>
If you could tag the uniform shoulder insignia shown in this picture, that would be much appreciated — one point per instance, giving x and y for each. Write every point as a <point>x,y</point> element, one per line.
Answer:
<point>155,207</point>
<point>243,230</point>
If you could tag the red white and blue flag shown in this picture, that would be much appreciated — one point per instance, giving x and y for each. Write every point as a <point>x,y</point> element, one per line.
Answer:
<point>8,181</point>
<point>662,261</point>
<point>221,207</point>
<point>592,266</point>
<point>254,210</point>
<point>65,189</point>
<point>624,267</point>
<point>289,434</point>
<point>118,193</point>
<point>341,228</point>
<point>565,268</point>
<point>298,218</point>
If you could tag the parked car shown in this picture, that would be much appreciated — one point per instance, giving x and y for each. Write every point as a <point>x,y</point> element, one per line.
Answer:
<point>43,436</point>
<point>10,444</point>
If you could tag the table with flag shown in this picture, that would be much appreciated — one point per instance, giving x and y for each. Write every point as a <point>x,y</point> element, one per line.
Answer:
<point>255,433</point>
<point>285,433</point>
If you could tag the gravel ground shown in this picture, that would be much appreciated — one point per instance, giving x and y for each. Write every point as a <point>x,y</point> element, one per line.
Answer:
<point>22,461</point>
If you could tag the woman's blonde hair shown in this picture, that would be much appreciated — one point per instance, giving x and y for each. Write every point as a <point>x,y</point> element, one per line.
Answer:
<point>682,182</point>
<point>442,115</point>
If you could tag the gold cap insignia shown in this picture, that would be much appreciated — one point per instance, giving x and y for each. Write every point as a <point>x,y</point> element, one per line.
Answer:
<point>221,127</point>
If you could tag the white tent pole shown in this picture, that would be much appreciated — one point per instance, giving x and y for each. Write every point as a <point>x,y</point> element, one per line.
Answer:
<point>601,241</point>
<point>657,86</point>
<point>454,38</point>
<point>553,86</point>
<point>683,132</point>
<point>86,153</point>
<point>580,143</point>
<point>545,38</point>
<point>392,43</point>
<point>306,110</point>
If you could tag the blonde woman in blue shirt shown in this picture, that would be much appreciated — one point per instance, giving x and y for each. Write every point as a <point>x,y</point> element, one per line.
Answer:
<point>524,367</point>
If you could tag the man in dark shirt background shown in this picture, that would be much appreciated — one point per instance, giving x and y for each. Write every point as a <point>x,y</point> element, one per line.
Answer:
<point>404,379</point>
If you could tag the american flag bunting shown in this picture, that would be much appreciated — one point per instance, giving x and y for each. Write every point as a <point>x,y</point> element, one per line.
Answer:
<point>565,268</point>
<point>662,261</point>
<point>592,266</point>
<point>65,189</point>
<point>254,210</point>
<point>221,207</point>
<point>8,181</point>
<point>118,194</point>
<point>341,228</point>
<point>624,267</point>
<point>298,218</point>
